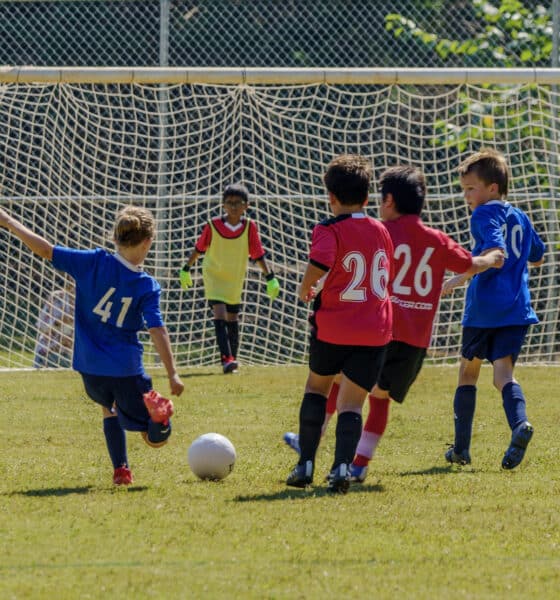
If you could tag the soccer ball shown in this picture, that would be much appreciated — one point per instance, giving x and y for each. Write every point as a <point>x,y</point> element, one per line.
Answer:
<point>211,456</point>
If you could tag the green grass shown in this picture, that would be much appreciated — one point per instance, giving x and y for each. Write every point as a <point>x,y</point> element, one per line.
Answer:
<point>416,529</point>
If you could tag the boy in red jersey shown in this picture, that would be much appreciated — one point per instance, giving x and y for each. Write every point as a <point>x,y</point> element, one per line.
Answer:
<point>226,242</point>
<point>351,321</point>
<point>422,255</point>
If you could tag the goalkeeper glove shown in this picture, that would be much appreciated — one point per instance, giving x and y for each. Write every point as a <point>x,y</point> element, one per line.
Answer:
<point>272,286</point>
<point>185,277</point>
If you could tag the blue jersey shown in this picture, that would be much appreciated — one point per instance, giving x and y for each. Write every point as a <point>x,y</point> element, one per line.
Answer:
<point>114,300</point>
<point>501,297</point>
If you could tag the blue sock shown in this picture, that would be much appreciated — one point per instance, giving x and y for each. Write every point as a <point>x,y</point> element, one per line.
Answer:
<point>463,406</point>
<point>158,432</point>
<point>514,404</point>
<point>115,438</point>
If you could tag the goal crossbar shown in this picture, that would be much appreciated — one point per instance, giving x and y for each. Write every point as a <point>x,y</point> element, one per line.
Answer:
<point>270,76</point>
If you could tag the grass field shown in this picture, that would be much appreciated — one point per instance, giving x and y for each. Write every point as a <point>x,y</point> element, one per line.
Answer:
<point>417,528</point>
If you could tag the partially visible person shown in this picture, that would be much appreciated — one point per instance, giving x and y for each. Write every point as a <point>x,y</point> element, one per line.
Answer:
<point>55,329</point>
<point>226,242</point>
<point>114,299</point>
<point>498,311</point>
<point>351,320</point>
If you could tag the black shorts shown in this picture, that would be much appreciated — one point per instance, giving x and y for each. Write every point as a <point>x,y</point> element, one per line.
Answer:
<point>493,343</point>
<point>360,364</point>
<point>124,392</point>
<point>400,369</point>
<point>230,308</point>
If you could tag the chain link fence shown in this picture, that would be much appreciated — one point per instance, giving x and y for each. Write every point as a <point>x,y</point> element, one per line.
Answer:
<point>264,33</point>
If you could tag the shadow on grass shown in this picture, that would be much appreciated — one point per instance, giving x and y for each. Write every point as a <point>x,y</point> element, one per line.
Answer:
<point>68,491</point>
<point>448,469</point>
<point>191,375</point>
<point>309,492</point>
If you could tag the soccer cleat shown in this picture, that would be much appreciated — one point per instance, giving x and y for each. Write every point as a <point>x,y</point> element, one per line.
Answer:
<point>159,408</point>
<point>292,440</point>
<point>358,474</point>
<point>122,476</point>
<point>229,364</point>
<point>459,458</point>
<point>520,438</point>
<point>339,479</point>
<point>301,476</point>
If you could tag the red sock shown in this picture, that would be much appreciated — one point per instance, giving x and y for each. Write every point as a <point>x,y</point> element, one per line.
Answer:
<point>378,415</point>
<point>331,400</point>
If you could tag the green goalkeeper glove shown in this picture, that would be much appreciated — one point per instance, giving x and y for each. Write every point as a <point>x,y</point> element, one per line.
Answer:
<point>272,286</point>
<point>185,277</point>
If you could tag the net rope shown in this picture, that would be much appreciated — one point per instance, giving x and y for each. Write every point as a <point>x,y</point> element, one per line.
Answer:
<point>72,154</point>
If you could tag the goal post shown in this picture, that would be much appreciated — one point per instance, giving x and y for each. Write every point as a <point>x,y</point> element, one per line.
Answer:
<point>76,144</point>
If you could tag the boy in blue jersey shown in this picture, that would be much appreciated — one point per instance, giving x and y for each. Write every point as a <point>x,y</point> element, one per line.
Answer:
<point>114,300</point>
<point>498,308</point>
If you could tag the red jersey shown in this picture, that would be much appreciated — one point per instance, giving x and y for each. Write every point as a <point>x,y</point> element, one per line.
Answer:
<point>421,257</point>
<point>255,249</point>
<point>353,308</point>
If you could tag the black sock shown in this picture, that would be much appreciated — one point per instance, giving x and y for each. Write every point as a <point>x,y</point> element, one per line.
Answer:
<point>311,417</point>
<point>348,431</point>
<point>233,335</point>
<point>115,438</point>
<point>222,337</point>
<point>463,406</point>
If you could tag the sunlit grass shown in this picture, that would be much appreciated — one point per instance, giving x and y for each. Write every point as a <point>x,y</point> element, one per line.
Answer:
<point>417,528</point>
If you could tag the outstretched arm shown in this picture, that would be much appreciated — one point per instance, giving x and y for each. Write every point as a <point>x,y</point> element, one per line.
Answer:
<point>493,258</point>
<point>37,244</point>
<point>160,339</point>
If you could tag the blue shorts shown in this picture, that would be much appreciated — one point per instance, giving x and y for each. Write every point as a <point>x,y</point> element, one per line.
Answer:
<point>123,392</point>
<point>360,364</point>
<point>493,343</point>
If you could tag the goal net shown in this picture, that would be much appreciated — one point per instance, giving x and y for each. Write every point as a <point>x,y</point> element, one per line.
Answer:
<point>77,145</point>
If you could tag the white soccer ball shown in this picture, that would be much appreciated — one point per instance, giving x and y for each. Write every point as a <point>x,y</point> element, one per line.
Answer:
<point>211,456</point>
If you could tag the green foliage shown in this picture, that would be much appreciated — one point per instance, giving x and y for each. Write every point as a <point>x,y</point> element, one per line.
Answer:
<point>418,528</point>
<point>507,34</point>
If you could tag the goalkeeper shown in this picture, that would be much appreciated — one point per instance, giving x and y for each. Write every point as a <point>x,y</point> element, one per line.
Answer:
<point>226,242</point>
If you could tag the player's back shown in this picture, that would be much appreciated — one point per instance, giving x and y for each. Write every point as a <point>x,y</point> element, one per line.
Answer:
<point>421,257</point>
<point>114,299</point>
<point>353,308</point>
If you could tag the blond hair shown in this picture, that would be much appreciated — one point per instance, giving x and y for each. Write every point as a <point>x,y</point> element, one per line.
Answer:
<point>133,225</point>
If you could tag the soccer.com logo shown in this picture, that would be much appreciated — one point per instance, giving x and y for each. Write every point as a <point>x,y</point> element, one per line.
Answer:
<point>410,304</point>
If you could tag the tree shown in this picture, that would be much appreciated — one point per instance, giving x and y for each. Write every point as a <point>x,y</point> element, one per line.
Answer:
<point>505,34</point>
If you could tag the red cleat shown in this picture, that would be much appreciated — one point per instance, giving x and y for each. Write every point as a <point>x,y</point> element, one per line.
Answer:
<point>160,408</point>
<point>122,476</point>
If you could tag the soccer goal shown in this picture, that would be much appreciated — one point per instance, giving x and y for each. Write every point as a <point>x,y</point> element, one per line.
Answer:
<point>77,144</point>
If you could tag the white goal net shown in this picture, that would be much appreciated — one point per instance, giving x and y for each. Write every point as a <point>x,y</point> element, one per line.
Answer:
<point>75,146</point>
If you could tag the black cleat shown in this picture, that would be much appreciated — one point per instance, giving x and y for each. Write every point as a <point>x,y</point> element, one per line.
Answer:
<point>301,476</point>
<point>520,438</point>
<point>459,458</point>
<point>339,479</point>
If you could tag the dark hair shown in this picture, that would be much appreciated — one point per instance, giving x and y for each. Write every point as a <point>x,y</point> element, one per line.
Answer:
<point>490,166</point>
<point>236,189</point>
<point>348,178</point>
<point>407,186</point>
<point>134,224</point>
